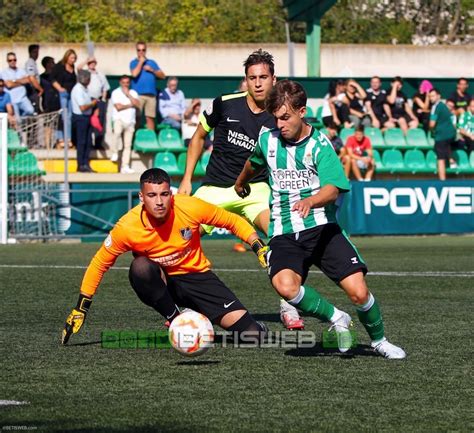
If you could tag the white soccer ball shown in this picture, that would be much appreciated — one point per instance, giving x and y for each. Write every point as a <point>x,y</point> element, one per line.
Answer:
<point>191,333</point>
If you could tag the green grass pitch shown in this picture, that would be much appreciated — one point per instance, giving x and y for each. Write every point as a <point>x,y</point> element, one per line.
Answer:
<point>87,388</point>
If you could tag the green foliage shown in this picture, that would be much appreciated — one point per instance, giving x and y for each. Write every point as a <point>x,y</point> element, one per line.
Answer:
<point>211,21</point>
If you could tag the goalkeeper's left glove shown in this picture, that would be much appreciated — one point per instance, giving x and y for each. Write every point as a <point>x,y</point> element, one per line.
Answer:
<point>76,319</point>
<point>259,248</point>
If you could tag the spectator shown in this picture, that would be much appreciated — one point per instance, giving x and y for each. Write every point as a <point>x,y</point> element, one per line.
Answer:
<point>64,79</point>
<point>354,97</point>
<point>422,104</point>
<point>444,131</point>
<point>190,123</point>
<point>50,97</point>
<point>402,113</point>
<point>377,105</point>
<point>97,89</point>
<point>460,96</point>
<point>82,107</point>
<point>339,147</point>
<point>172,104</point>
<point>125,102</point>
<point>466,127</point>
<point>334,109</point>
<point>34,91</point>
<point>360,152</point>
<point>6,104</point>
<point>145,72</point>
<point>16,79</point>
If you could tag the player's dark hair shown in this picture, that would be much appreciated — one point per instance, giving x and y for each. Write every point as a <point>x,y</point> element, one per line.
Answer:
<point>260,57</point>
<point>32,47</point>
<point>359,128</point>
<point>124,76</point>
<point>462,79</point>
<point>154,175</point>
<point>397,79</point>
<point>286,92</point>
<point>45,60</point>
<point>11,53</point>
<point>332,125</point>
<point>434,89</point>
<point>376,76</point>
<point>140,43</point>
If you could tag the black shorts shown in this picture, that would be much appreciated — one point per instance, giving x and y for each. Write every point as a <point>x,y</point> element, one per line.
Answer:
<point>381,117</point>
<point>443,149</point>
<point>203,292</point>
<point>404,115</point>
<point>324,246</point>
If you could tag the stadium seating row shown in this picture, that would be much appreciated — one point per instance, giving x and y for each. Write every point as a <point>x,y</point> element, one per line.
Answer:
<point>147,141</point>
<point>176,166</point>
<point>392,138</point>
<point>414,161</point>
<point>24,164</point>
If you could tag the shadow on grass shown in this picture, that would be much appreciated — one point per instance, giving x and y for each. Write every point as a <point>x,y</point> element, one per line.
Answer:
<point>197,362</point>
<point>274,318</point>
<point>319,350</point>
<point>85,343</point>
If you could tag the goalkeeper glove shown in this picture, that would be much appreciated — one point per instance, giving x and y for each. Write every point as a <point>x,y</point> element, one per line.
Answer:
<point>259,248</point>
<point>75,320</point>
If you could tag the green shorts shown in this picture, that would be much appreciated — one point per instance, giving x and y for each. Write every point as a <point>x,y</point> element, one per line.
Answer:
<point>249,207</point>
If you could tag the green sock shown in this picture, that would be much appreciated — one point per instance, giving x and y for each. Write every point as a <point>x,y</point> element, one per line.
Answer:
<point>371,317</point>
<point>313,303</point>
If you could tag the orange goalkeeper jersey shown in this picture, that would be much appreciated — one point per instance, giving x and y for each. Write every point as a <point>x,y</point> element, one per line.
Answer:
<point>174,245</point>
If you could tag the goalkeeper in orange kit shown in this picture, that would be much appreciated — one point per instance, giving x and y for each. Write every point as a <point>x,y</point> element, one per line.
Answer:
<point>169,269</point>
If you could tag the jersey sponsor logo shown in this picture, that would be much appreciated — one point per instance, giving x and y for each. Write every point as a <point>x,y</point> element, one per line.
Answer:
<point>108,241</point>
<point>408,201</point>
<point>293,179</point>
<point>232,120</point>
<point>241,139</point>
<point>171,259</point>
<point>186,233</point>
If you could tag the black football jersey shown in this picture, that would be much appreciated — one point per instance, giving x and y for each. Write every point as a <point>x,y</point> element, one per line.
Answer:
<point>236,131</point>
<point>377,100</point>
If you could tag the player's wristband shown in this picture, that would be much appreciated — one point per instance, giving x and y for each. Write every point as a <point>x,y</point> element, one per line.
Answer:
<point>83,304</point>
<point>257,245</point>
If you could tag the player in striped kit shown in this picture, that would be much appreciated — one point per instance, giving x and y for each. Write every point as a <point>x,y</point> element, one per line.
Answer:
<point>306,178</point>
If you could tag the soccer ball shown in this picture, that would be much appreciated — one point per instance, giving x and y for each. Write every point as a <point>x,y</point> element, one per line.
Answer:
<point>191,333</point>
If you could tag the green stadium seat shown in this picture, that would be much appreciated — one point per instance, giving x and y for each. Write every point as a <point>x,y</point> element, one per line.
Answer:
<point>169,139</point>
<point>309,112</point>
<point>430,139</point>
<point>14,142</point>
<point>379,166</point>
<point>471,159</point>
<point>431,161</point>
<point>393,161</point>
<point>24,164</point>
<point>167,161</point>
<point>206,156</point>
<point>462,162</point>
<point>375,136</point>
<point>394,138</point>
<point>145,141</point>
<point>346,133</point>
<point>417,138</point>
<point>198,170</point>
<point>161,126</point>
<point>415,161</point>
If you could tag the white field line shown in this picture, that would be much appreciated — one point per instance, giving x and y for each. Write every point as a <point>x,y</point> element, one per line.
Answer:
<point>12,402</point>
<point>469,274</point>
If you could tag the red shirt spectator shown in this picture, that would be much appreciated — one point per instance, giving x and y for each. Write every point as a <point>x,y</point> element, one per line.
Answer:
<point>359,147</point>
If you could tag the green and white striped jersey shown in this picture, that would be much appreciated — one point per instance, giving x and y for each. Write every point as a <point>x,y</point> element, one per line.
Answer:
<point>296,171</point>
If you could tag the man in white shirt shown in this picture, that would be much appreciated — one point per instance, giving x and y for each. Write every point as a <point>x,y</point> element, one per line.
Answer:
<point>125,102</point>
<point>34,91</point>
<point>172,104</point>
<point>15,80</point>
<point>82,107</point>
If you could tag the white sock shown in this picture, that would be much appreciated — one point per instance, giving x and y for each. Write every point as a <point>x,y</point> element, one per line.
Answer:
<point>297,299</point>
<point>368,305</point>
